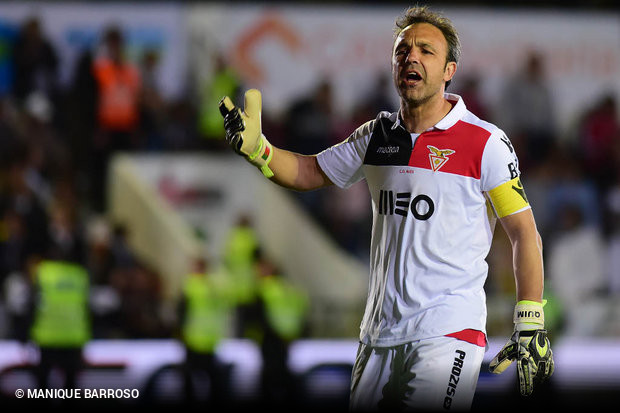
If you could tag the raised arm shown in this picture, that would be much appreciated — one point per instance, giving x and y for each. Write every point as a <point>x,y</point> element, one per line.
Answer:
<point>298,172</point>
<point>243,132</point>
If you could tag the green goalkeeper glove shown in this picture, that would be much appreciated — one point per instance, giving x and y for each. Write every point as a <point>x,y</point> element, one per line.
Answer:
<point>243,130</point>
<point>529,346</point>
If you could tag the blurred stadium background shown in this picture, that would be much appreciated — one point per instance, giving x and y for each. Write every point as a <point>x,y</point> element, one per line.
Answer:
<point>138,206</point>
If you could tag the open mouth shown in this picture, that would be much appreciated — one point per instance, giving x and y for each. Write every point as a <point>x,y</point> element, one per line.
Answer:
<point>412,77</point>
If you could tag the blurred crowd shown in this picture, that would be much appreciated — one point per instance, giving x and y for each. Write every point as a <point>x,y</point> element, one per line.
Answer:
<point>572,180</point>
<point>56,143</point>
<point>55,146</point>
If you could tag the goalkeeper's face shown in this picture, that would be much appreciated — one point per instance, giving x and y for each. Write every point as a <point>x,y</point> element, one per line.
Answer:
<point>419,63</point>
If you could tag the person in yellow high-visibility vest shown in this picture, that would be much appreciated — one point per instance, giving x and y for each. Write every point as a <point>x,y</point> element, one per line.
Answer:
<point>205,315</point>
<point>61,325</point>
<point>224,81</point>
<point>282,310</point>
<point>239,260</point>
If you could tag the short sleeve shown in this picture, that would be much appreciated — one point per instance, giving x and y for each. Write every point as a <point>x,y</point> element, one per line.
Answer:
<point>500,176</point>
<point>342,163</point>
<point>499,161</point>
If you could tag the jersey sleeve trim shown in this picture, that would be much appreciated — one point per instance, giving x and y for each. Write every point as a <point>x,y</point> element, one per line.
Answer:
<point>327,171</point>
<point>342,162</point>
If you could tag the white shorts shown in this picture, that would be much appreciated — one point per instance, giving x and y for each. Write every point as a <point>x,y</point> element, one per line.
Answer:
<point>434,374</point>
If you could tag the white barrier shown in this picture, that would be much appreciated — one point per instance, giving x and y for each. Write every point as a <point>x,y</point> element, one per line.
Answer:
<point>582,366</point>
<point>165,200</point>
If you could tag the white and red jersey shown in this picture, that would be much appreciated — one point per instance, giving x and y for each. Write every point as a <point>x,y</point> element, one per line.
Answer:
<point>432,224</point>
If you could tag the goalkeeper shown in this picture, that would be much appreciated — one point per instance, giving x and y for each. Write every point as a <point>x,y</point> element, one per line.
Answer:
<point>439,178</point>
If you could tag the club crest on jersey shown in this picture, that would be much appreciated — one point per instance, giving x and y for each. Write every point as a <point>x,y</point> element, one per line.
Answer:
<point>438,157</point>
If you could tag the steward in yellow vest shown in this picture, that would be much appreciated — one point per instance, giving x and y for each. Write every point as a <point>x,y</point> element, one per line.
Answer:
<point>239,261</point>
<point>224,82</point>
<point>205,315</point>
<point>285,307</point>
<point>61,325</point>
<point>282,312</point>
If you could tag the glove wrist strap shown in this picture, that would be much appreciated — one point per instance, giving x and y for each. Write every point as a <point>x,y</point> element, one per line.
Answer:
<point>529,315</point>
<point>262,156</point>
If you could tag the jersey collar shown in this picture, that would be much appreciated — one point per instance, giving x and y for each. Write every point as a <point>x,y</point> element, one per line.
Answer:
<point>456,113</point>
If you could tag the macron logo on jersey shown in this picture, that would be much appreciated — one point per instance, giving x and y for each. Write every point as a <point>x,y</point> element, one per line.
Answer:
<point>438,157</point>
<point>388,149</point>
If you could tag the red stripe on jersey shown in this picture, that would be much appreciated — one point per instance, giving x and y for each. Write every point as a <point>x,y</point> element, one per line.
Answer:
<point>457,150</point>
<point>471,336</point>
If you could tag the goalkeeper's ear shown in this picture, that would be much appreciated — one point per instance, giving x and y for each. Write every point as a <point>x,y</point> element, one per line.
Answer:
<point>226,106</point>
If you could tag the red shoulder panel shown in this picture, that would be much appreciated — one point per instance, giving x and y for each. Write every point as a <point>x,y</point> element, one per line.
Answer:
<point>457,150</point>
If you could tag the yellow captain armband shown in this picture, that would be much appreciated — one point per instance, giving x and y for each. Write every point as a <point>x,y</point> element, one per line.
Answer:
<point>508,198</point>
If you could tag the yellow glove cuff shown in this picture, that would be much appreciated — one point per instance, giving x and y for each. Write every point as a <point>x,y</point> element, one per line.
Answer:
<point>262,156</point>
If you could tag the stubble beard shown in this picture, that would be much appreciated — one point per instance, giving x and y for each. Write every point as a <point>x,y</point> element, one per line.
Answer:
<point>412,99</point>
<point>415,101</point>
